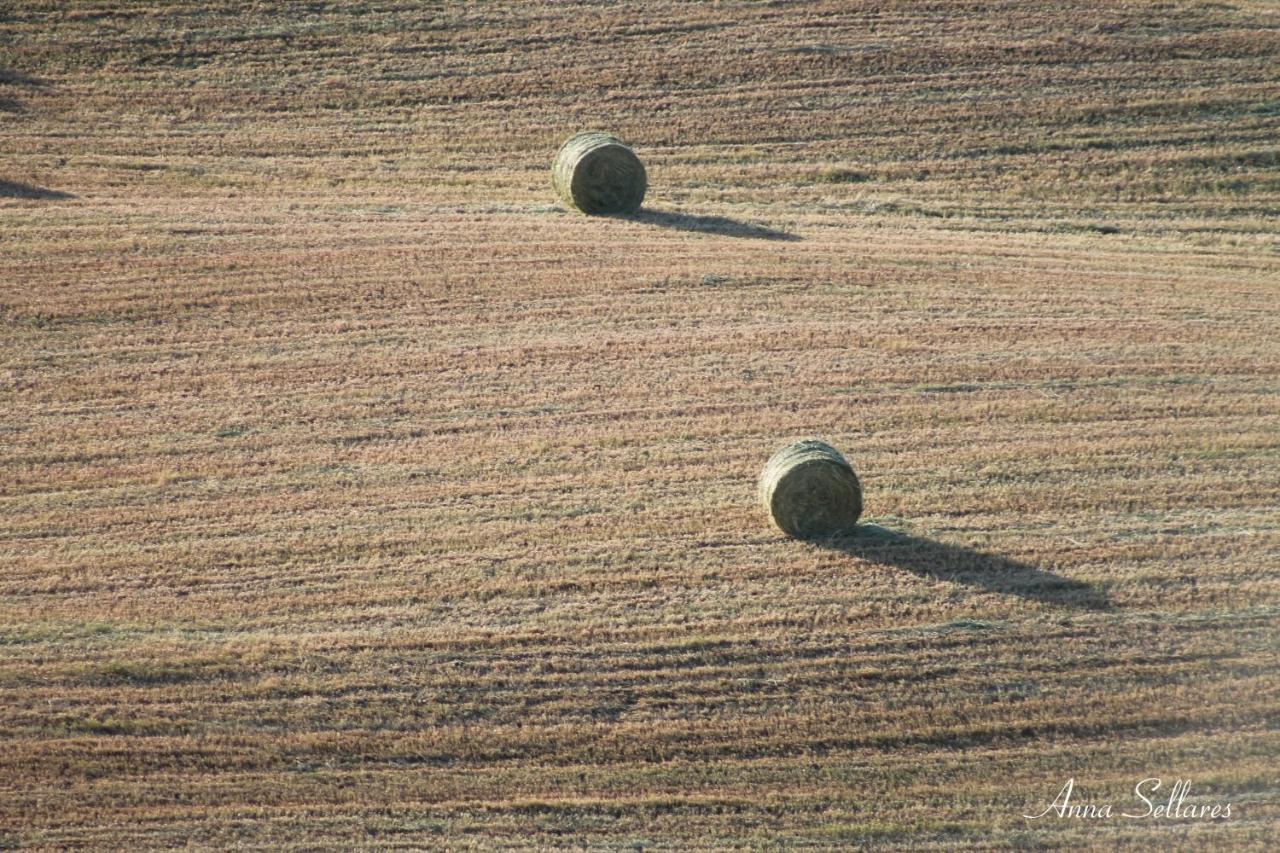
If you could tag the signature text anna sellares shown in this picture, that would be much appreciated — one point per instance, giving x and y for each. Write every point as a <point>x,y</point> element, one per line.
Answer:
<point>1150,800</point>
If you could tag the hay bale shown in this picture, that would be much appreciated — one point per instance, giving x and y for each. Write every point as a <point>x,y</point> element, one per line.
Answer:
<point>595,173</point>
<point>809,490</point>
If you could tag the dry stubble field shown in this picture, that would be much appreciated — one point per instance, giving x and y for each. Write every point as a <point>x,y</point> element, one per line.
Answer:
<point>355,493</point>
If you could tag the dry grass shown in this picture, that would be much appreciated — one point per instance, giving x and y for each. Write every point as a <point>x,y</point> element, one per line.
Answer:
<point>355,494</point>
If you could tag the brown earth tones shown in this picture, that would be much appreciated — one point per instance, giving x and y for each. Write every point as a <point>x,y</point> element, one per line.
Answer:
<point>354,493</point>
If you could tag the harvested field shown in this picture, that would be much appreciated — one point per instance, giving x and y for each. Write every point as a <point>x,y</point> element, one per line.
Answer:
<point>356,493</point>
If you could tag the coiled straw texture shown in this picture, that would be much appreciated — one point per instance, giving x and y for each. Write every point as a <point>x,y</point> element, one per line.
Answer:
<point>595,173</point>
<point>810,490</point>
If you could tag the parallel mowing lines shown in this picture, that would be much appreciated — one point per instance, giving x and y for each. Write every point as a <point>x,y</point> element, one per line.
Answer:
<point>354,495</point>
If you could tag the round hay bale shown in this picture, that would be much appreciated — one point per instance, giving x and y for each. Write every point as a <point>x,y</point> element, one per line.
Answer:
<point>595,173</point>
<point>809,490</point>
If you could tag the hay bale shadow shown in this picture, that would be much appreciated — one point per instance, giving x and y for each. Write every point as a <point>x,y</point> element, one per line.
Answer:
<point>18,78</point>
<point>958,564</point>
<point>721,225</point>
<point>14,189</point>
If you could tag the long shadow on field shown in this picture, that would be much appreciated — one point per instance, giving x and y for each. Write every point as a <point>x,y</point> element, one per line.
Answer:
<point>13,189</point>
<point>722,225</point>
<point>955,563</point>
<point>17,78</point>
<point>9,77</point>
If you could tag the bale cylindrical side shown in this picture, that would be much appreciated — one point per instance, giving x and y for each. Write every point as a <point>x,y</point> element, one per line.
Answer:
<point>810,490</point>
<point>595,173</point>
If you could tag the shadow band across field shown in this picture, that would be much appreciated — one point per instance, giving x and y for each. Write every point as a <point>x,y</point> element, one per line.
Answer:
<point>13,189</point>
<point>17,79</point>
<point>955,563</point>
<point>13,77</point>
<point>721,225</point>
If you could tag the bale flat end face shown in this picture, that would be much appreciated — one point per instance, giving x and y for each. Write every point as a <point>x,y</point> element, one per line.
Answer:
<point>595,173</point>
<point>810,491</point>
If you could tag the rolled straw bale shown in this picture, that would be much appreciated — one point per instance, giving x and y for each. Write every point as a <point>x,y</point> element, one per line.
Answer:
<point>595,173</point>
<point>810,490</point>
